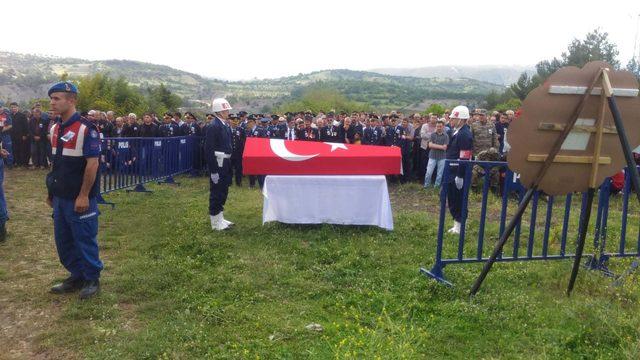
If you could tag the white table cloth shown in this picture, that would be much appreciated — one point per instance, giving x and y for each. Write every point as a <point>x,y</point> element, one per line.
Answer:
<point>345,200</point>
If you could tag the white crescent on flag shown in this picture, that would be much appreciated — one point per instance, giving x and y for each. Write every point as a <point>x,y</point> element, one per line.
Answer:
<point>278,147</point>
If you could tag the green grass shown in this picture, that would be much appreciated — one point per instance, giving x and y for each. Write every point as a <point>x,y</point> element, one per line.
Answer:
<point>172,288</point>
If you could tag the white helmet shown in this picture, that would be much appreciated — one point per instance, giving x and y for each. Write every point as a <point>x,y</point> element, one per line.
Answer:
<point>460,112</point>
<point>220,104</point>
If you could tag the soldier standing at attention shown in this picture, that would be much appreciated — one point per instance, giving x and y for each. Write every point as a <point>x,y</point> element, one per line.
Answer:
<point>73,189</point>
<point>484,133</point>
<point>218,149</point>
<point>239,138</point>
<point>460,148</point>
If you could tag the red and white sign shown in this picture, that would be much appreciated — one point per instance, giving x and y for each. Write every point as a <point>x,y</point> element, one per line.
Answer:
<point>284,157</point>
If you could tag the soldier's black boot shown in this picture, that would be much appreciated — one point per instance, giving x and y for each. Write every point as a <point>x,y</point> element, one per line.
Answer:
<point>90,288</point>
<point>69,285</point>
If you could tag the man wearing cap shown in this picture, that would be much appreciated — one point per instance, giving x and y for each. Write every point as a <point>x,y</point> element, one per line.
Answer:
<point>282,127</point>
<point>484,133</point>
<point>72,190</point>
<point>169,127</point>
<point>373,134</point>
<point>218,148</point>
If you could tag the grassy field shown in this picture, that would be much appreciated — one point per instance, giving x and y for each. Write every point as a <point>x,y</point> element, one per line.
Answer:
<point>172,288</point>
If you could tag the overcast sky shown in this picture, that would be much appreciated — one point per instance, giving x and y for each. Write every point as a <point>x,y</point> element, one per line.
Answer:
<point>243,39</point>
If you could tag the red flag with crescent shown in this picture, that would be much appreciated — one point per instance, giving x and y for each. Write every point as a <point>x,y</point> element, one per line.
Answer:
<point>285,157</point>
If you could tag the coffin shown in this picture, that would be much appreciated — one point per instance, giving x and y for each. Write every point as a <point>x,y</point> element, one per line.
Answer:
<point>286,157</point>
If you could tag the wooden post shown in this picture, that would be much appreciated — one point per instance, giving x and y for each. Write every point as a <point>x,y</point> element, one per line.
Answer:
<point>584,218</point>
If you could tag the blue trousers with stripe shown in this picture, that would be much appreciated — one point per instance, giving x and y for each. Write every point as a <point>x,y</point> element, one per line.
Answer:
<point>76,237</point>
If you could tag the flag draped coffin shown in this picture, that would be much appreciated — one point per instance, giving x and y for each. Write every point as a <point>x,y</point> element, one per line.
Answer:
<point>284,157</point>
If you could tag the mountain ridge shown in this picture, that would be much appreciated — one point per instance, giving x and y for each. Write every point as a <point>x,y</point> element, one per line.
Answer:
<point>26,76</point>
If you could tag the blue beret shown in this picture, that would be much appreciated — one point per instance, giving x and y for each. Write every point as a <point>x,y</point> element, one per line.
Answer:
<point>63,86</point>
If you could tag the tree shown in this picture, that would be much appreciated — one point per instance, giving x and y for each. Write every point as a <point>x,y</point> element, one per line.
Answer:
<point>511,104</point>
<point>100,92</point>
<point>523,86</point>
<point>595,46</point>
<point>634,67</point>
<point>322,98</point>
<point>436,109</point>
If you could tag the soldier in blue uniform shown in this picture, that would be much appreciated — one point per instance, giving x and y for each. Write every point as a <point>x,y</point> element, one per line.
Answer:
<point>272,128</point>
<point>218,148</point>
<point>73,188</point>
<point>242,119</point>
<point>460,148</point>
<point>389,124</point>
<point>260,131</point>
<point>239,139</point>
<point>373,134</point>
<point>169,127</point>
<point>281,128</point>
<point>401,139</point>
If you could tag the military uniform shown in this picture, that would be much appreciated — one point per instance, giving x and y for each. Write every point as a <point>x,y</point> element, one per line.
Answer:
<point>332,133</point>
<point>218,146</point>
<point>169,129</point>
<point>239,138</point>
<point>460,148</point>
<point>478,171</point>
<point>260,132</point>
<point>373,135</point>
<point>485,136</point>
<point>73,142</point>
<point>400,140</point>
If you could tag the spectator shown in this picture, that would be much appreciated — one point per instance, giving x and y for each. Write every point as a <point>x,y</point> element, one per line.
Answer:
<point>6,125</point>
<point>20,136</point>
<point>118,129</point>
<point>148,127</point>
<point>132,129</point>
<point>38,129</point>
<point>438,142</point>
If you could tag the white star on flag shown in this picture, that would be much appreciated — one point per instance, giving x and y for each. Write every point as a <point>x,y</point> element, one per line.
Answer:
<point>335,146</point>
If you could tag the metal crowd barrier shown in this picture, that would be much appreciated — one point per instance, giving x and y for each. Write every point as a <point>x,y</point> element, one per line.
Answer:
<point>129,163</point>
<point>544,230</point>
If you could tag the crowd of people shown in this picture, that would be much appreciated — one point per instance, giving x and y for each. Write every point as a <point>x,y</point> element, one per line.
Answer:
<point>422,138</point>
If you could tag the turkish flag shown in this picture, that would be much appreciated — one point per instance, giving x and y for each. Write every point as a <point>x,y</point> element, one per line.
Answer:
<point>285,157</point>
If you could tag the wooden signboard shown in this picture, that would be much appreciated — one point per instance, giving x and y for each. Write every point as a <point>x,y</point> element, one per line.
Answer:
<point>546,111</point>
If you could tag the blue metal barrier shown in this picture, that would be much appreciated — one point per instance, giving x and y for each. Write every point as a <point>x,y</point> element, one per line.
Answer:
<point>129,163</point>
<point>546,233</point>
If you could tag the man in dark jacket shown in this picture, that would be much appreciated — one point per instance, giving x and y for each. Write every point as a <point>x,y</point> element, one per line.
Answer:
<point>38,129</point>
<point>20,136</point>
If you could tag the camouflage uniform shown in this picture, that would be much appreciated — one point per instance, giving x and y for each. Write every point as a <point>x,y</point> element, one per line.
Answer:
<point>478,171</point>
<point>484,137</point>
